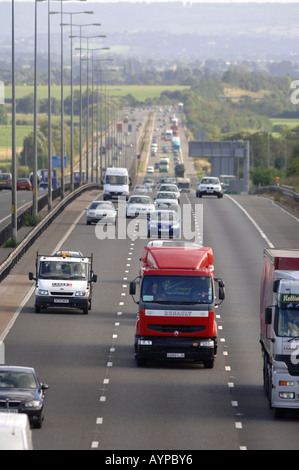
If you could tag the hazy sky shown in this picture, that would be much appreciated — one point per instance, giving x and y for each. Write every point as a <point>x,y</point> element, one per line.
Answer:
<point>180,1</point>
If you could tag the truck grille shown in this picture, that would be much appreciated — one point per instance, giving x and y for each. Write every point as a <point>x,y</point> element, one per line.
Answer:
<point>61,294</point>
<point>184,329</point>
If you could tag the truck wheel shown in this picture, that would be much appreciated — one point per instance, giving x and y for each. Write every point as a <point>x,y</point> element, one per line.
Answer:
<point>37,309</point>
<point>85,310</point>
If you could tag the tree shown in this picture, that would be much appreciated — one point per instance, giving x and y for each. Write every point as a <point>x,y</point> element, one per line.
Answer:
<point>26,156</point>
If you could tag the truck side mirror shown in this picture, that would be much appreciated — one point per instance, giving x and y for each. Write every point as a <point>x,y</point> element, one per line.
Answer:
<point>31,277</point>
<point>221,286</point>
<point>268,315</point>
<point>276,285</point>
<point>132,288</point>
<point>221,293</point>
<point>94,278</point>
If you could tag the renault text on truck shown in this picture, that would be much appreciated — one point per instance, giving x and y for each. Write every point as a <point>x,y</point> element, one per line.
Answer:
<point>63,282</point>
<point>279,319</point>
<point>116,183</point>
<point>176,317</point>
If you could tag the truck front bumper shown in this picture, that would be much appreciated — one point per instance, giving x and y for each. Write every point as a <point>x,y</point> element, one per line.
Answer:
<point>166,348</point>
<point>285,388</point>
<point>47,301</point>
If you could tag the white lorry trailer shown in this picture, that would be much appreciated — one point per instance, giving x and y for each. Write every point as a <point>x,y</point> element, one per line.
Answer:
<point>279,318</point>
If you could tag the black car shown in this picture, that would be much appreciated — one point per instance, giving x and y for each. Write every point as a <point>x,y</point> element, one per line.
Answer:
<point>22,392</point>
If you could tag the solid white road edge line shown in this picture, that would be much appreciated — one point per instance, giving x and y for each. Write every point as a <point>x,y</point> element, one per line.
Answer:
<point>253,222</point>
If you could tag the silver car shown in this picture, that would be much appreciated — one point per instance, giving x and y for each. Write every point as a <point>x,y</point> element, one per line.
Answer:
<point>140,206</point>
<point>167,199</point>
<point>101,211</point>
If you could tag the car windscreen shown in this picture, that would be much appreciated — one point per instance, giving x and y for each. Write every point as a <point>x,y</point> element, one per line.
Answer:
<point>210,181</point>
<point>100,206</point>
<point>164,216</point>
<point>140,200</point>
<point>17,379</point>
<point>177,289</point>
<point>166,195</point>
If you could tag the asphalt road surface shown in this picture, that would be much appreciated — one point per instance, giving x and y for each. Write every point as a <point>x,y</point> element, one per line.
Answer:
<point>98,398</point>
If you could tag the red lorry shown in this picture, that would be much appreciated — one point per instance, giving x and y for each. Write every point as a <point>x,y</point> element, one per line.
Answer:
<point>176,317</point>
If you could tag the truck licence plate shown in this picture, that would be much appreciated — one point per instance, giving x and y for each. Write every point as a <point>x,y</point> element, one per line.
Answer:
<point>61,301</point>
<point>176,355</point>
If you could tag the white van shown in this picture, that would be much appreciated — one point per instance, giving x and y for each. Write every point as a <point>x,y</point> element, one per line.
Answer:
<point>116,183</point>
<point>15,432</point>
<point>63,281</point>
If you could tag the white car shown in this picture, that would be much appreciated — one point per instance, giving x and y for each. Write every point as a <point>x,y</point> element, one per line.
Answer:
<point>140,189</point>
<point>164,223</point>
<point>166,198</point>
<point>101,211</point>
<point>170,187</point>
<point>140,206</point>
<point>150,169</point>
<point>209,186</point>
<point>149,183</point>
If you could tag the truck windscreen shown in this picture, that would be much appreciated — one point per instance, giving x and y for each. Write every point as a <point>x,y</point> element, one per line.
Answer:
<point>288,322</point>
<point>177,289</point>
<point>63,270</point>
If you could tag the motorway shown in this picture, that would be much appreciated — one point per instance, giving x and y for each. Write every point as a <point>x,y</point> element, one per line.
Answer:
<point>98,398</point>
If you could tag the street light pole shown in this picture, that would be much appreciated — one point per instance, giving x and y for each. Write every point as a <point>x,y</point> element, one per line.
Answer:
<point>14,227</point>
<point>72,97</point>
<point>87,106</point>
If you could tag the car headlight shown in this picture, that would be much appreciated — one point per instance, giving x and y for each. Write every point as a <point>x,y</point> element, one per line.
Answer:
<point>34,404</point>
<point>43,292</point>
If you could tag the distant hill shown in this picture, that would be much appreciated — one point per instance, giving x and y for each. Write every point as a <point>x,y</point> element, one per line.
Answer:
<point>159,30</point>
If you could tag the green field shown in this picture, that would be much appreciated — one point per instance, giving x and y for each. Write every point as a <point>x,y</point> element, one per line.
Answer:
<point>139,92</point>
<point>285,122</point>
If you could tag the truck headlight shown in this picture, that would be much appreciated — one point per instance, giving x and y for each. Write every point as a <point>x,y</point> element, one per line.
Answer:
<point>286,383</point>
<point>287,395</point>
<point>207,344</point>
<point>43,292</point>
<point>80,293</point>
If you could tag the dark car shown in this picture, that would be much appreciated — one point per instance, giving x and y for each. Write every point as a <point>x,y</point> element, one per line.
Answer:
<point>22,392</point>
<point>24,183</point>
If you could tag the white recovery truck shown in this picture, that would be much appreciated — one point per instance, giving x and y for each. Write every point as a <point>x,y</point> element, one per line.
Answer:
<point>64,280</point>
<point>279,315</point>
